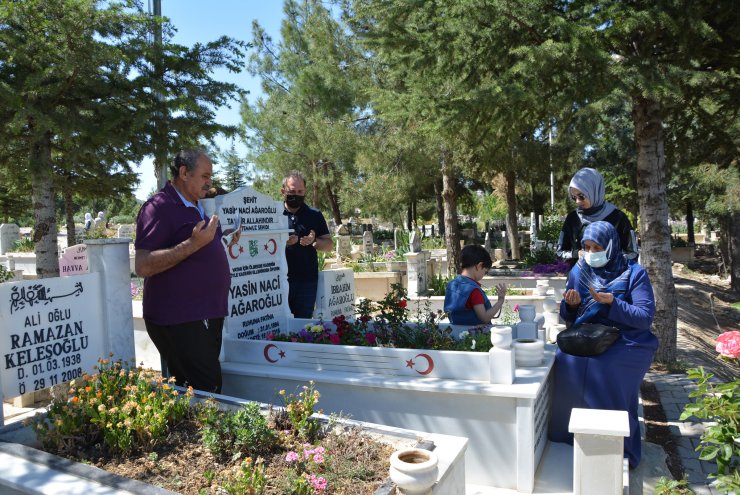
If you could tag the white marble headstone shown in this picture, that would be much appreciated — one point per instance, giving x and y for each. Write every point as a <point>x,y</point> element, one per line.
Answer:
<point>258,297</point>
<point>368,248</point>
<point>344,242</point>
<point>73,261</point>
<point>126,231</point>
<point>336,294</point>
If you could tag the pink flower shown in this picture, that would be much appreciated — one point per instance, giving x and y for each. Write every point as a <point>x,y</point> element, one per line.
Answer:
<point>318,458</point>
<point>291,456</point>
<point>370,337</point>
<point>318,482</point>
<point>516,307</point>
<point>334,338</point>
<point>728,344</point>
<point>270,336</point>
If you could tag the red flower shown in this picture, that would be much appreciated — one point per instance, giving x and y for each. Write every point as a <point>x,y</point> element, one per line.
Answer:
<point>269,336</point>
<point>403,303</point>
<point>364,318</point>
<point>370,337</point>
<point>334,338</point>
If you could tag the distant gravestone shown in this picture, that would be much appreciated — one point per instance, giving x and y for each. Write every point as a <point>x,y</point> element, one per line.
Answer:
<point>418,279</point>
<point>344,243</point>
<point>258,296</point>
<point>368,248</point>
<point>487,242</point>
<point>395,238</point>
<point>336,294</point>
<point>126,231</point>
<point>9,233</point>
<point>73,261</point>
<point>414,242</point>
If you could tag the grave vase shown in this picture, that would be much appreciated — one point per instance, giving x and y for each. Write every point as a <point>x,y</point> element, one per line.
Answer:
<point>414,470</point>
<point>527,312</point>
<point>528,352</point>
<point>501,336</point>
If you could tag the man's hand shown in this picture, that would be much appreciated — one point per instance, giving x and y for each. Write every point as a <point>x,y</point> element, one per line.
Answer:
<point>203,235</point>
<point>602,297</point>
<point>292,239</point>
<point>307,240</point>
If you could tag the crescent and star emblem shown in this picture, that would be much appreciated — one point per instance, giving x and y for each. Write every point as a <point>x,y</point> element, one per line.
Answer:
<point>429,366</point>
<point>266,352</point>
<point>273,246</point>
<point>239,251</point>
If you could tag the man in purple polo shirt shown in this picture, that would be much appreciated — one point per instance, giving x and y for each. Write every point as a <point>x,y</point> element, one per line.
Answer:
<point>187,276</point>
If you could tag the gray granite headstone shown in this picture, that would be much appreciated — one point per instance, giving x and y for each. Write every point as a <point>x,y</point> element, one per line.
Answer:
<point>9,233</point>
<point>368,248</point>
<point>344,242</point>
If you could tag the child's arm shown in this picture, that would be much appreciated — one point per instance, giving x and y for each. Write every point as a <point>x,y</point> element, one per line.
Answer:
<point>486,316</point>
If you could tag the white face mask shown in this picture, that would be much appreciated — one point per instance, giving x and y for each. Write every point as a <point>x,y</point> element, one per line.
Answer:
<point>596,260</point>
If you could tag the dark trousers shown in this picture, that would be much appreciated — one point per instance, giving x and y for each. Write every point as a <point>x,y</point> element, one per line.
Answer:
<point>302,297</point>
<point>191,351</point>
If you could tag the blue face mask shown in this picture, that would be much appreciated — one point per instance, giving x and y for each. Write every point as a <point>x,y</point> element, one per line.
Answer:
<point>596,260</point>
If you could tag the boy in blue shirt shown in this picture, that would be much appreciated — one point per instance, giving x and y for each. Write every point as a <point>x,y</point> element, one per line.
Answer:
<point>465,301</point>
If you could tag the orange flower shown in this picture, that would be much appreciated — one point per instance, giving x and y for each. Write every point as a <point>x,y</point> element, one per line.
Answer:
<point>75,399</point>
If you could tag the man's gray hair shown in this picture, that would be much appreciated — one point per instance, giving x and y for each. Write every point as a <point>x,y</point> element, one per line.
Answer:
<point>187,157</point>
<point>293,174</point>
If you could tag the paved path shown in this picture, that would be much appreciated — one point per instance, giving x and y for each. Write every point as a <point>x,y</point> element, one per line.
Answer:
<point>674,392</point>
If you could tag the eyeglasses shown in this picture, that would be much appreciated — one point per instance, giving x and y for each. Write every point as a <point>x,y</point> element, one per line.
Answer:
<point>578,197</point>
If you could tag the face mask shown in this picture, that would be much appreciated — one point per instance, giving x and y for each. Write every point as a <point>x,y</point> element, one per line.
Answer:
<point>294,201</point>
<point>596,260</point>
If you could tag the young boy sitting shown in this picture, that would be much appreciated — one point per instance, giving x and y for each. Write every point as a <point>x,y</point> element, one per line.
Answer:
<point>465,301</point>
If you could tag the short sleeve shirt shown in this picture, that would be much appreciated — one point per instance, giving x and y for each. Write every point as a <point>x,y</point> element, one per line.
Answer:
<point>197,288</point>
<point>476,297</point>
<point>303,261</point>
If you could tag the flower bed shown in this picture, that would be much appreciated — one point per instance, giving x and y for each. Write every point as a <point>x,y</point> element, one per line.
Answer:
<point>126,420</point>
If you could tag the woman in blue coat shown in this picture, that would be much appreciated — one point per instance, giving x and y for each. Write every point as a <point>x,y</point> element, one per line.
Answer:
<point>604,288</point>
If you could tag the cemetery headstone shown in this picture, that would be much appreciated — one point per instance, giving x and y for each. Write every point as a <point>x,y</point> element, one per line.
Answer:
<point>9,233</point>
<point>344,242</point>
<point>487,241</point>
<point>414,242</point>
<point>336,294</point>
<point>125,231</point>
<point>395,238</point>
<point>258,296</point>
<point>73,261</point>
<point>416,265</point>
<point>368,248</point>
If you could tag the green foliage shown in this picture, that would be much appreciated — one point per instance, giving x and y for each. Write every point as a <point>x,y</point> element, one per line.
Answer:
<point>24,245</point>
<point>491,207</point>
<point>550,229</point>
<point>250,480</point>
<point>719,403</point>
<point>5,274</point>
<point>665,486</point>
<point>678,242</point>
<point>541,256</point>
<point>428,243</point>
<point>244,433</point>
<point>300,408</point>
<point>438,284</point>
<point>128,409</point>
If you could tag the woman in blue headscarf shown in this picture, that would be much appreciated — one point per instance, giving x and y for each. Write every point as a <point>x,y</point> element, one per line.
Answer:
<point>587,190</point>
<point>604,288</point>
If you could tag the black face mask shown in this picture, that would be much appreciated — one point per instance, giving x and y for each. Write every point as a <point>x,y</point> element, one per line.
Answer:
<point>294,201</point>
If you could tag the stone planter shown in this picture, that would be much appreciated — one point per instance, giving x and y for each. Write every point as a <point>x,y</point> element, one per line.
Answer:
<point>501,336</point>
<point>375,285</point>
<point>414,470</point>
<point>528,352</point>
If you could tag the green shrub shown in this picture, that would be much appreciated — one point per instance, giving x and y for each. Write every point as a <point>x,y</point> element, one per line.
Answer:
<point>541,256</point>
<point>241,434</point>
<point>24,245</point>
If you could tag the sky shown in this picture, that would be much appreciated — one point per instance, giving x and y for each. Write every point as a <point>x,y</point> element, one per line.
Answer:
<point>203,21</point>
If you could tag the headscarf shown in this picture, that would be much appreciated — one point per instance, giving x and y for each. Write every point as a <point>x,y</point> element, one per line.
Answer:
<point>612,277</point>
<point>88,216</point>
<point>590,182</point>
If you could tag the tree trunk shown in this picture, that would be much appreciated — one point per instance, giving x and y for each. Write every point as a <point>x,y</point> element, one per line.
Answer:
<point>45,222</point>
<point>69,212</point>
<point>654,229</point>
<point>734,236</point>
<point>440,206</point>
<point>316,185</point>
<point>334,202</point>
<point>690,224</point>
<point>409,218</point>
<point>512,229</point>
<point>414,219</point>
<point>725,261</point>
<point>333,199</point>
<point>452,242</point>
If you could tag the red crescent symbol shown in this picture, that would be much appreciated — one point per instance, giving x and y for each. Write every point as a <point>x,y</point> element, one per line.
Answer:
<point>430,364</point>
<point>231,253</point>
<point>274,247</point>
<point>266,352</point>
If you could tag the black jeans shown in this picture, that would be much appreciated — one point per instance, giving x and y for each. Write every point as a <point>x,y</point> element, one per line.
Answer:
<point>191,351</point>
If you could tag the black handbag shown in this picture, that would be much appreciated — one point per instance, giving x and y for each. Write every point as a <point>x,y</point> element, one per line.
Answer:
<point>587,339</point>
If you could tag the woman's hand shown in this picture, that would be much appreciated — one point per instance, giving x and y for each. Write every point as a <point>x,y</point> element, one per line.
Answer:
<point>602,297</point>
<point>572,298</point>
